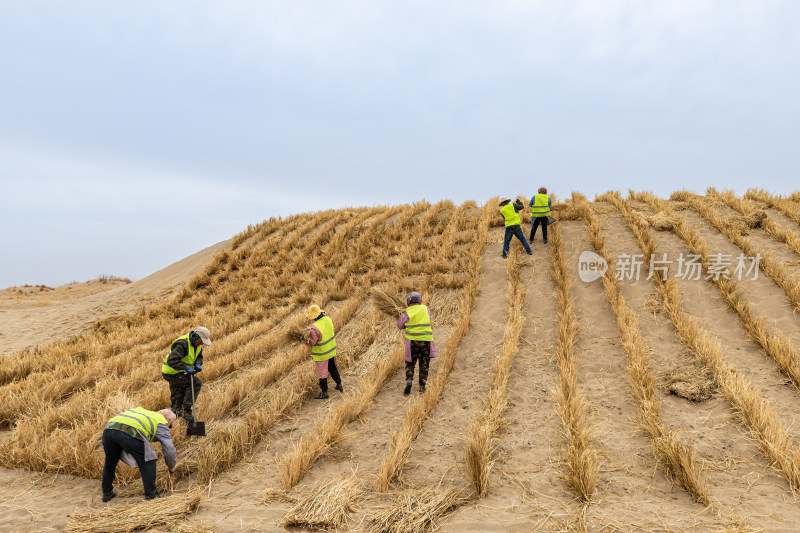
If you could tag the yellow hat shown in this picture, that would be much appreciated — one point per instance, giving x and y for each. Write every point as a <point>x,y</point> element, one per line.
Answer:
<point>313,312</point>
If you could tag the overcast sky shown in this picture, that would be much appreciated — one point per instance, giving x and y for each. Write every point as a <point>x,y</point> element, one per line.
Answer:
<point>133,134</point>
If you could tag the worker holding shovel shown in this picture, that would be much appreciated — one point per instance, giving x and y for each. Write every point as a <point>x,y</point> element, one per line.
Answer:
<point>180,366</point>
<point>322,340</point>
<point>540,206</point>
<point>127,436</point>
<point>416,323</point>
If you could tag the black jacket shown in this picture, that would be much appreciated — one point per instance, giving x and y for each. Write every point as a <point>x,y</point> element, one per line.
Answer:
<point>179,350</point>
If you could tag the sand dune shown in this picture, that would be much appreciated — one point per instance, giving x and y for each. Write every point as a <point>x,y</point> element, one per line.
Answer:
<point>27,323</point>
<point>261,418</point>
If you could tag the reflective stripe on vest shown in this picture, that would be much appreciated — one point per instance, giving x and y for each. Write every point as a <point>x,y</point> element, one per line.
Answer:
<point>141,419</point>
<point>189,359</point>
<point>511,215</point>
<point>541,206</point>
<point>418,327</point>
<point>326,347</point>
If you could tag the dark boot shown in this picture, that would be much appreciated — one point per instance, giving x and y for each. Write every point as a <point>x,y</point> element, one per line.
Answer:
<point>187,414</point>
<point>407,390</point>
<point>107,496</point>
<point>422,388</point>
<point>154,496</point>
<point>323,385</point>
<point>339,387</point>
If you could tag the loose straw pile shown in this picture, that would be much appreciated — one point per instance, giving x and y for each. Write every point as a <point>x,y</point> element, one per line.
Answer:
<point>415,511</point>
<point>136,517</point>
<point>661,221</point>
<point>327,506</point>
<point>693,382</point>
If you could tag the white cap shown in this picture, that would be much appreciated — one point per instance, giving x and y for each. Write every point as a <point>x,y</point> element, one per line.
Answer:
<point>205,335</point>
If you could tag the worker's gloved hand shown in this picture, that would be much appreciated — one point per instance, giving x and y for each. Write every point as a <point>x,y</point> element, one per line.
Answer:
<point>190,369</point>
<point>198,367</point>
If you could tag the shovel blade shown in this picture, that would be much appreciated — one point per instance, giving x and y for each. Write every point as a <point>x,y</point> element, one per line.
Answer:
<point>196,428</point>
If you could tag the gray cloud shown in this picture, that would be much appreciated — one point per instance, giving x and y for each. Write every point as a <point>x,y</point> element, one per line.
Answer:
<point>113,114</point>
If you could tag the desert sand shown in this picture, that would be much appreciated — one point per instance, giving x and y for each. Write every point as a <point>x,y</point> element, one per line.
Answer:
<point>26,322</point>
<point>529,488</point>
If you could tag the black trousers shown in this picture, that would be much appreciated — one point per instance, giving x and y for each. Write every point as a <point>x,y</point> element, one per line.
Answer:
<point>536,221</point>
<point>334,372</point>
<point>114,442</point>
<point>420,351</point>
<point>180,391</point>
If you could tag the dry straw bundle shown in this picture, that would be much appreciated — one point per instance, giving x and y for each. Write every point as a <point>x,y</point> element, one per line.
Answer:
<point>565,211</point>
<point>754,219</point>
<point>416,511</point>
<point>692,382</point>
<point>301,335</point>
<point>327,506</point>
<point>662,221</point>
<point>387,303</point>
<point>140,516</point>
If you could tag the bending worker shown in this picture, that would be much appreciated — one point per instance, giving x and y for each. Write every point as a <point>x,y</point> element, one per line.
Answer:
<point>540,206</point>
<point>127,436</point>
<point>322,340</point>
<point>184,360</point>
<point>416,321</point>
<point>513,221</point>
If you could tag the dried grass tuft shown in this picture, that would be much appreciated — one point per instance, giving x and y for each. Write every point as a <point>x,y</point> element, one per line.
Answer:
<point>679,196</point>
<point>652,303</point>
<point>326,506</point>
<point>693,382</point>
<point>416,510</point>
<point>273,495</point>
<point>139,516</point>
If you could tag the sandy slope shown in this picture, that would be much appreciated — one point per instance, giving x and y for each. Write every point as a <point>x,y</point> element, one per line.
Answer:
<point>528,492</point>
<point>26,324</point>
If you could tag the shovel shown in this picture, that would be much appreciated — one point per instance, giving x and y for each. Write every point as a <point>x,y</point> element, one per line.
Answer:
<point>195,428</point>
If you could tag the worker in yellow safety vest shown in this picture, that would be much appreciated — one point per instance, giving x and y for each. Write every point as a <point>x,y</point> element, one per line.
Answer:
<point>513,222</point>
<point>322,340</point>
<point>540,206</point>
<point>128,436</point>
<point>416,323</point>
<point>181,364</point>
